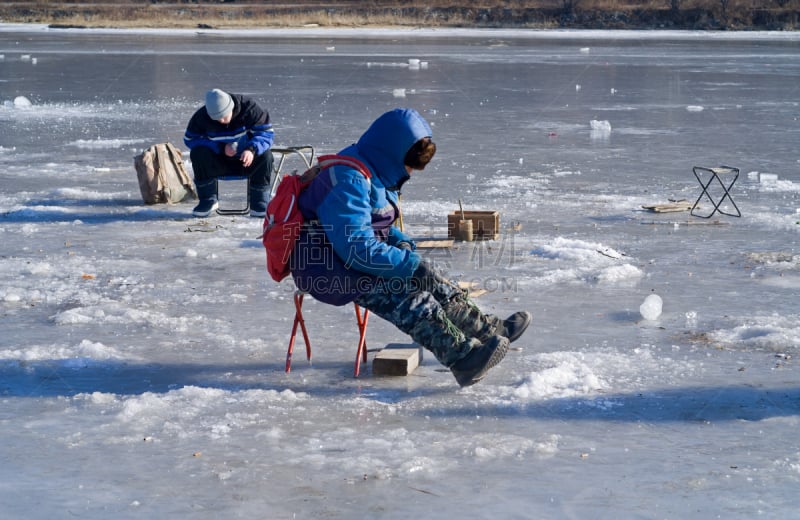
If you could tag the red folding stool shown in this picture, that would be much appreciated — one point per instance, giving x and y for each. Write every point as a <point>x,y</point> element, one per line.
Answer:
<point>362,315</point>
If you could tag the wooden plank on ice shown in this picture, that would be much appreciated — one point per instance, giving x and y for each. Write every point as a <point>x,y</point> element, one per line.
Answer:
<point>678,223</point>
<point>472,288</point>
<point>670,207</point>
<point>433,243</point>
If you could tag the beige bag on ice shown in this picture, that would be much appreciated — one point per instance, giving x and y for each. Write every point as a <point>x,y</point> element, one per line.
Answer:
<point>162,175</point>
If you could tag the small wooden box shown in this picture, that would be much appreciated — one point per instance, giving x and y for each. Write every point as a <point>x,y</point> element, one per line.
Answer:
<point>485,224</point>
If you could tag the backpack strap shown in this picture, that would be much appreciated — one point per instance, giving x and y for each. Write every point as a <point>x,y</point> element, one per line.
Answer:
<point>326,161</point>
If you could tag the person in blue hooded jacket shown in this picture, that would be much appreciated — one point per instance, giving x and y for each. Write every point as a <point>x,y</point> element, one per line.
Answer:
<point>350,250</point>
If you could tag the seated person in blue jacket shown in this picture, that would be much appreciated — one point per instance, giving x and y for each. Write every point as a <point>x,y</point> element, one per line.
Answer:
<point>350,250</point>
<point>230,136</point>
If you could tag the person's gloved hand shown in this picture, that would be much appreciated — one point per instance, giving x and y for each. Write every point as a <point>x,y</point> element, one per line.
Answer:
<point>404,245</point>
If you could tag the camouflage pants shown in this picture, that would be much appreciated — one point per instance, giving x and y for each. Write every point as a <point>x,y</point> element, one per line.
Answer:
<point>437,315</point>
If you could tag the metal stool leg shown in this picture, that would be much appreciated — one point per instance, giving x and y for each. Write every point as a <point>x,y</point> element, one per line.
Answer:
<point>361,353</point>
<point>305,153</point>
<point>362,316</point>
<point>298,320</point>
<point>237,211</point>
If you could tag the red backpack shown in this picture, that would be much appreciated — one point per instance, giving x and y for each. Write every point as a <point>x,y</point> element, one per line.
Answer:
<point>284,219</point>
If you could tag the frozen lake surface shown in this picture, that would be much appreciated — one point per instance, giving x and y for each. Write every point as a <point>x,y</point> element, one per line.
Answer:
<point>142,350</point>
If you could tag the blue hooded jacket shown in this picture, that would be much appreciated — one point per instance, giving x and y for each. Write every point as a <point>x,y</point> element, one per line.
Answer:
<point>351,244</point>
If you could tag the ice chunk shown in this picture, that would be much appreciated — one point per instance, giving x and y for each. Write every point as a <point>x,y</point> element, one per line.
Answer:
<point>765,178</point>
<point>695,108</point>
<point>413,63</point>
<point>600,130</point>
<point>399,92</point>
<point>691,319</point>
<point>651,307</point>
<point>22,102</point>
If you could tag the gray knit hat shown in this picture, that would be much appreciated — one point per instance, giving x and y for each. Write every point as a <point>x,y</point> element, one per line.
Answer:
<point>218,104</point>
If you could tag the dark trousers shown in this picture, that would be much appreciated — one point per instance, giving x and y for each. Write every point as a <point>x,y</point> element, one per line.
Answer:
<point>208,165</point>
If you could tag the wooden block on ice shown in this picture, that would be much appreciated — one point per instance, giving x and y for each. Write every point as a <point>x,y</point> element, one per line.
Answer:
<point>397,359</point>
<point>485,224</point>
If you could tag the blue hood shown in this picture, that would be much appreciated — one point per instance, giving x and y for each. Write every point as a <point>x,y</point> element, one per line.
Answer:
<point>385,143</point>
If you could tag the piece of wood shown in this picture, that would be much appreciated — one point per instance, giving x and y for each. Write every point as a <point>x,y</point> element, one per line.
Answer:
<point>677,223</point>
<point>670,207</point>
<point>434,243</point>
<point>397,359</point>
<point>472,288</point>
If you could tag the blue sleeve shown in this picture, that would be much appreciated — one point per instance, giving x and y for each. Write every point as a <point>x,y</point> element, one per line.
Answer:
<point>345,214</point>
<point>193,140</point>
<point>261,138</point>
<point>396,236</point>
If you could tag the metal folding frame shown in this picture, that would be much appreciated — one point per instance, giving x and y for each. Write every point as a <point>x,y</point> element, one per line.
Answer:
<point>716,173</point>
<point>236,211</point>
<point>304,152</point>
<point>362,315</point>
<point>280,154</point>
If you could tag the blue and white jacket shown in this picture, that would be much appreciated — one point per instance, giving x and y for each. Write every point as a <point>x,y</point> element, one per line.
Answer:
<point>352,242</point>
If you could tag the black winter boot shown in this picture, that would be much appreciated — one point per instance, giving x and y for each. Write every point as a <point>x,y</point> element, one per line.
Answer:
<point>439,335</point>
<point>467,358</point>
<point>258,200</point>
<point>474,366</point>
<point>209,199</point>
<point>512,327</point>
